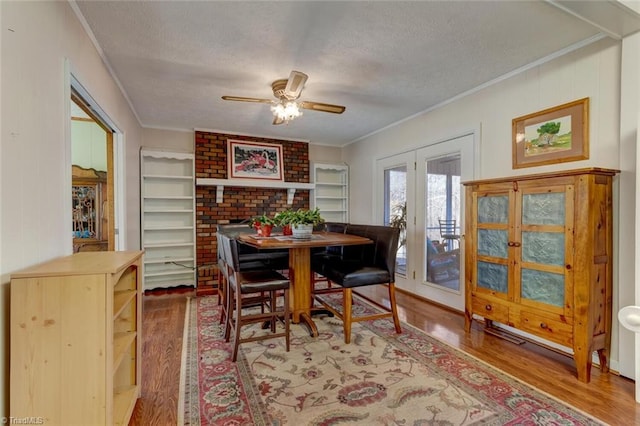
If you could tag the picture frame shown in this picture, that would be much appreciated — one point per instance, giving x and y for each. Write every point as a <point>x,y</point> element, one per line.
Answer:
<point>554,135</point>
<point>254,160</point>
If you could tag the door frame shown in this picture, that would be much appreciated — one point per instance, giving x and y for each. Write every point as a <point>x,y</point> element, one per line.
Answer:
<point>115,157</point>
<point>413,282</point>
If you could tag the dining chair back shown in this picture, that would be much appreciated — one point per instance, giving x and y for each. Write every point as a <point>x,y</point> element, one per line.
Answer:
<point>242,285</point>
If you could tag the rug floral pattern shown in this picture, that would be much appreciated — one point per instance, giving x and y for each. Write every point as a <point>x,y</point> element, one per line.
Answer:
<point>381,378</point>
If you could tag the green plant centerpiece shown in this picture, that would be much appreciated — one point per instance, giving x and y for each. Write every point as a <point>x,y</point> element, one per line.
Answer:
<point>302,222</point>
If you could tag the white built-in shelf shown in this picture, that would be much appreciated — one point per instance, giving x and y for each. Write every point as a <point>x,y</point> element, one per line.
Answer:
<point>253,183</point>
<point>331,191</point>
<point>168,218</point>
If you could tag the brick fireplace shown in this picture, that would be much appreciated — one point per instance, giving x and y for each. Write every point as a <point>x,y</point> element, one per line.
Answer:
<point>239,203</point>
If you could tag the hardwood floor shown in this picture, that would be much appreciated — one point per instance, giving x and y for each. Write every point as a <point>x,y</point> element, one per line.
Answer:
<point>607,397</point>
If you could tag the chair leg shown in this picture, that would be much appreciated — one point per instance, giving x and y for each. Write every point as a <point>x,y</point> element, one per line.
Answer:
<point>287,318</point>
<point>222,297</point>
<point>238,326</point>
<point>394,307</point>
<point>347,300</point>
<point>229,313</point>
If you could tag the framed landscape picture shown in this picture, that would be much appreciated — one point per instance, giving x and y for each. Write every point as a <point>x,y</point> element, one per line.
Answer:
<point>254,160</point>
<point>555,135</point>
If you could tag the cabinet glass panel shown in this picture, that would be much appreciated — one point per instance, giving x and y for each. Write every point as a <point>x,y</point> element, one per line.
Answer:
<point>492,276</point>
<point>492,242</point>
<point>541,286</point>
<point>543,247</point>
<point>493,209</point>
<point>543,209</point>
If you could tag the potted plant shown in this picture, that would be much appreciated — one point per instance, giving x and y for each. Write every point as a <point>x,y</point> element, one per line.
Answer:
<point>283,219</point>
<point>263,225</point>
<point>302,222</point>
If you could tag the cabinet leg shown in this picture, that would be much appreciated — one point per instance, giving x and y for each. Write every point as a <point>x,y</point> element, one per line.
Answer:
<point>583,362</point>
<point>467,321</point>
<point>604,363</point>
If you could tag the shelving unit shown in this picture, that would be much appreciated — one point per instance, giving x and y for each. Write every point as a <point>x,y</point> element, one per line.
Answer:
<point>79,320</point>
<point>331,191</point>
<point>168,218</point>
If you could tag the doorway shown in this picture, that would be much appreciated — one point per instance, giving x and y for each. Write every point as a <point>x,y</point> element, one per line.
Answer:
<point>422,195</point>
<point>92,185</point>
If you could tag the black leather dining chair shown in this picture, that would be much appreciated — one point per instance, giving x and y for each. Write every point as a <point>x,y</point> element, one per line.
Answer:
<point>358,266</point>
<point>245,289</point>
<point>249,257</point>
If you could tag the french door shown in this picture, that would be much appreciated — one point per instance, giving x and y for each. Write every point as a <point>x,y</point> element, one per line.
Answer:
<point>421,193</point>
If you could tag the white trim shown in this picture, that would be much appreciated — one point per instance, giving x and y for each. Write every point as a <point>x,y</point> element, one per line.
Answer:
<point>94,41</point>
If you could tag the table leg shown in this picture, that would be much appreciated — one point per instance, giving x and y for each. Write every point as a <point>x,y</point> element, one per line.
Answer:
<point>300,278</point>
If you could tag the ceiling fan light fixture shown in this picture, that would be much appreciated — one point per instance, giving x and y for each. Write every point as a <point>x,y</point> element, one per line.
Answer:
<point>285,110</point>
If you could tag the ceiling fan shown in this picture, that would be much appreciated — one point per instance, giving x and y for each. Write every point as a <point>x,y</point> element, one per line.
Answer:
<point>286,107</point>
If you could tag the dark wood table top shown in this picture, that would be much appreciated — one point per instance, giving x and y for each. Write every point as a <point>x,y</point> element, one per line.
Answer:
<point>318,239</point>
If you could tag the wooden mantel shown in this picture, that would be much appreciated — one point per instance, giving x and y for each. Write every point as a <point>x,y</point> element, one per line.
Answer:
<point>253,183</point>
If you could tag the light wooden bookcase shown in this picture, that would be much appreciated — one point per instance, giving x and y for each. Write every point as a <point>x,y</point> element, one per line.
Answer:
<point>76,339</point>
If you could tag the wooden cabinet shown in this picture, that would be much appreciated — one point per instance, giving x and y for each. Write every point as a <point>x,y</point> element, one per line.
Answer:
<point>76,339</point>
<point>168,218</point>
<point>331,191</point>
<point>539,258</point>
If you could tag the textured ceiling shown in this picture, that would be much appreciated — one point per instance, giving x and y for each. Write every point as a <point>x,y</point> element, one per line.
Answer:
<point>384,61</point>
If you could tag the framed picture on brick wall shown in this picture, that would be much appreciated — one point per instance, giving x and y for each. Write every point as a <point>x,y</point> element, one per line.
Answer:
<point>254,160</point>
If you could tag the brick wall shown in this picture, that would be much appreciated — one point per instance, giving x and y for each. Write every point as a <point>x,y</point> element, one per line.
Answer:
<point>239,202</point>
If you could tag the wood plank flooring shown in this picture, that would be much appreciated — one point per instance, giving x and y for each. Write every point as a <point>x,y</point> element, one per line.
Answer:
<point>607,397</point>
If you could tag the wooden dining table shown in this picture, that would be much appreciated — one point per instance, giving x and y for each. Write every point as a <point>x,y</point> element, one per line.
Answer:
<point>300,265</point>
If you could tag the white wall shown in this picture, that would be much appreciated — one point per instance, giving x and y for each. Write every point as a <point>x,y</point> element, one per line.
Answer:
<point>88,145</point>
<point>593,71</point>
<point>35,164</point>
<point>169,140</point>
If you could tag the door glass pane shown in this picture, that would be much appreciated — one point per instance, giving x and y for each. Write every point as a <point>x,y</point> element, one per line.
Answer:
<point>492,242</point>
<point>543,209</point>
<point>543,247</point>
<point>492,276</point>
<point>493,209</point>
<point>395,210</point>
<point>442,227</point>
<point>541,286</point>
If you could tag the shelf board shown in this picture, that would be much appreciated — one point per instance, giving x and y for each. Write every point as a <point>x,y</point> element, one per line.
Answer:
<point>121,299</point>
<point>165,273</point>
<point>168,228</point>
<point>168,211</point>
<point>167,197</point>
<point>167,244</point>
<point>121,342</point>
<point>124,400</point>
<point>148,261</point>
<point>220,184</point>
<point>176,177</point>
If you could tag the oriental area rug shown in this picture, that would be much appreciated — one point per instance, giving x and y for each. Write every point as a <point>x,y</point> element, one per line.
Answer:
<point>380,378</point>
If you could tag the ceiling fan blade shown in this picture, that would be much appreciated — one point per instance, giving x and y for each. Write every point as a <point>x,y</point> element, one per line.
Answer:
<point>295,83</point>
<point>318,106</point>
<point>242,99</point>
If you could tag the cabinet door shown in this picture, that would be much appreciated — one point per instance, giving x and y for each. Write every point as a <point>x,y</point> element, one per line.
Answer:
<point>493,233</point>
<point>543,262</point>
